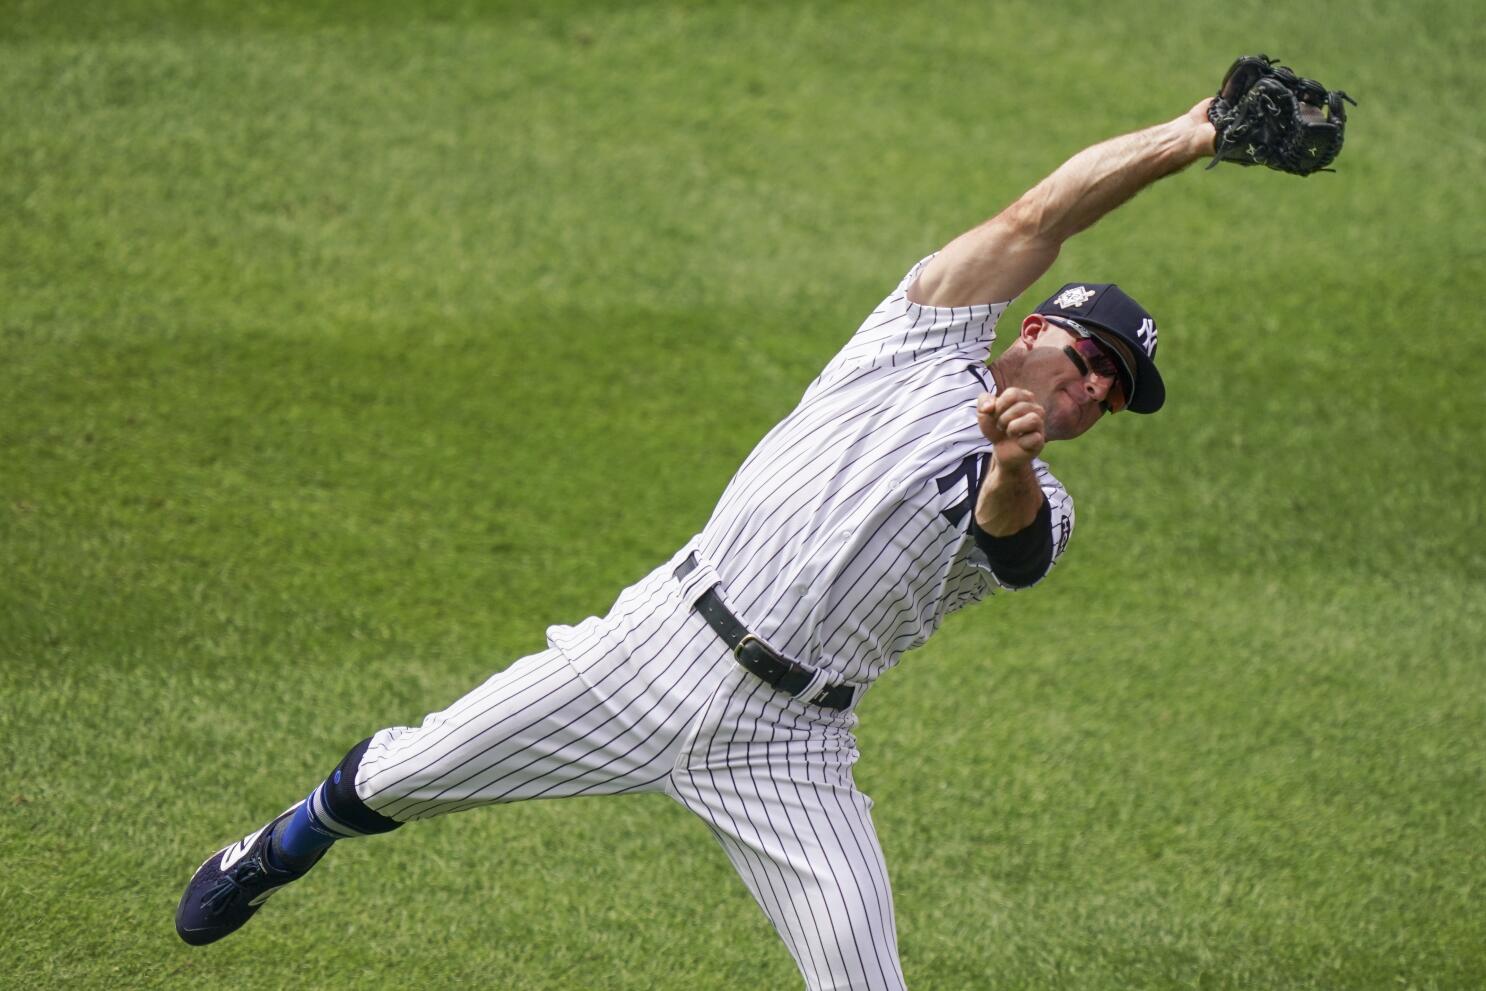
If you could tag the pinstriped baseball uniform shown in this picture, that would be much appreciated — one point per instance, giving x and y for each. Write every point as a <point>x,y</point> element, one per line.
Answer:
<point>842,542</point>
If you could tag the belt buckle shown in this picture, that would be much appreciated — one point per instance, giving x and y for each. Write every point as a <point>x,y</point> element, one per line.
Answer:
<point>738,650</point>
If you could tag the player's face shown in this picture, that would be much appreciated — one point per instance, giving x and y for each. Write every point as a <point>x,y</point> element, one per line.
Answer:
<point>1073,397</point>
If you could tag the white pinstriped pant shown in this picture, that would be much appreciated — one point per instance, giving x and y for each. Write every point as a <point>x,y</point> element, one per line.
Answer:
<point>649,699</point>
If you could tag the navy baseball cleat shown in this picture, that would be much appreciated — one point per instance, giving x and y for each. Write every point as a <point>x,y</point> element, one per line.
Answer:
<point>227,889</point>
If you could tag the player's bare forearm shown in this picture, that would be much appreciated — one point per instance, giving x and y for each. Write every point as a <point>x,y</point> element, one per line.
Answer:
<point>1101,178</point>
<point>1009,497</point>
<point>999,259</point>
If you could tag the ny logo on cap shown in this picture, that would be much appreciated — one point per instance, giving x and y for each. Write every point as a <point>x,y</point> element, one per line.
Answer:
<point>1147,334</point>
<point>1075,297</point>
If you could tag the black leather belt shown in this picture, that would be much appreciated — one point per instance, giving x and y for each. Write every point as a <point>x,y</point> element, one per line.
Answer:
<point>755,655</point>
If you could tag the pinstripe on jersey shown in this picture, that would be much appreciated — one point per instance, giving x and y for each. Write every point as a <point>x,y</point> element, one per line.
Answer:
<point>843,539</point>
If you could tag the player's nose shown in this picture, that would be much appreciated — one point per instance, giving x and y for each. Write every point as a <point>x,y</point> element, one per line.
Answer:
<point>1096,386</point>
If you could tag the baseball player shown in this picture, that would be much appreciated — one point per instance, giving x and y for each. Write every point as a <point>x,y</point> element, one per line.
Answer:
<point>907,483</point>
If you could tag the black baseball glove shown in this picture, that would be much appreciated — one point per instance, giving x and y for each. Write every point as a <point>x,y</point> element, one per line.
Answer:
<point>1267,115</point>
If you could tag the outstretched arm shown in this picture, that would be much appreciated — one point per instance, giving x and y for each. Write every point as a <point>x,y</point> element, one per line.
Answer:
<point>999,259</point>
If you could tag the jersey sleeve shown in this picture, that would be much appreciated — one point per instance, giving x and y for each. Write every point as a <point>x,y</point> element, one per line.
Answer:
<point>1060,507</point>
<point>900,332</point>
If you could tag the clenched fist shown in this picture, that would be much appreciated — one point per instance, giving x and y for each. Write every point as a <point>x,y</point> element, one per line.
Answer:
<point>1013,422</point>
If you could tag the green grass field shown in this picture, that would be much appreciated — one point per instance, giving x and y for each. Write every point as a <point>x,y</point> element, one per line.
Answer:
<point>341,353</point>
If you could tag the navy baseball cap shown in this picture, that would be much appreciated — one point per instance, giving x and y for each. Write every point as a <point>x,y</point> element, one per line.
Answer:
<point>1118,321</point>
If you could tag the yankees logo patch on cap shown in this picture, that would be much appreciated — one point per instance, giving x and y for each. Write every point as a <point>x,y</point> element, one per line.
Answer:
<point>1146,334</point>
<point>1108,311</point>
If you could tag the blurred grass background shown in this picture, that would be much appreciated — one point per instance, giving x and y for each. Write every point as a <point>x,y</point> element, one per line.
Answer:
<point>342,350</point>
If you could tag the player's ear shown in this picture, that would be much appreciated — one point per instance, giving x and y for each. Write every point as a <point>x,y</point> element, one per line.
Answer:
<point>1032,328</point>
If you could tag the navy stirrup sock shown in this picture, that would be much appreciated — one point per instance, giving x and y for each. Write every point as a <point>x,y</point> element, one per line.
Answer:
<point>333,811</point>
<point>299,839</point>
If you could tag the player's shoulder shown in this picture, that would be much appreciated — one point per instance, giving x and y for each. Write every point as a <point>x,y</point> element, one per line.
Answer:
<point>1043,470</point>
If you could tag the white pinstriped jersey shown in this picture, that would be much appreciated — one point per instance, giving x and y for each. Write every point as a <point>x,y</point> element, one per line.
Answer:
<point>843,540</point>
